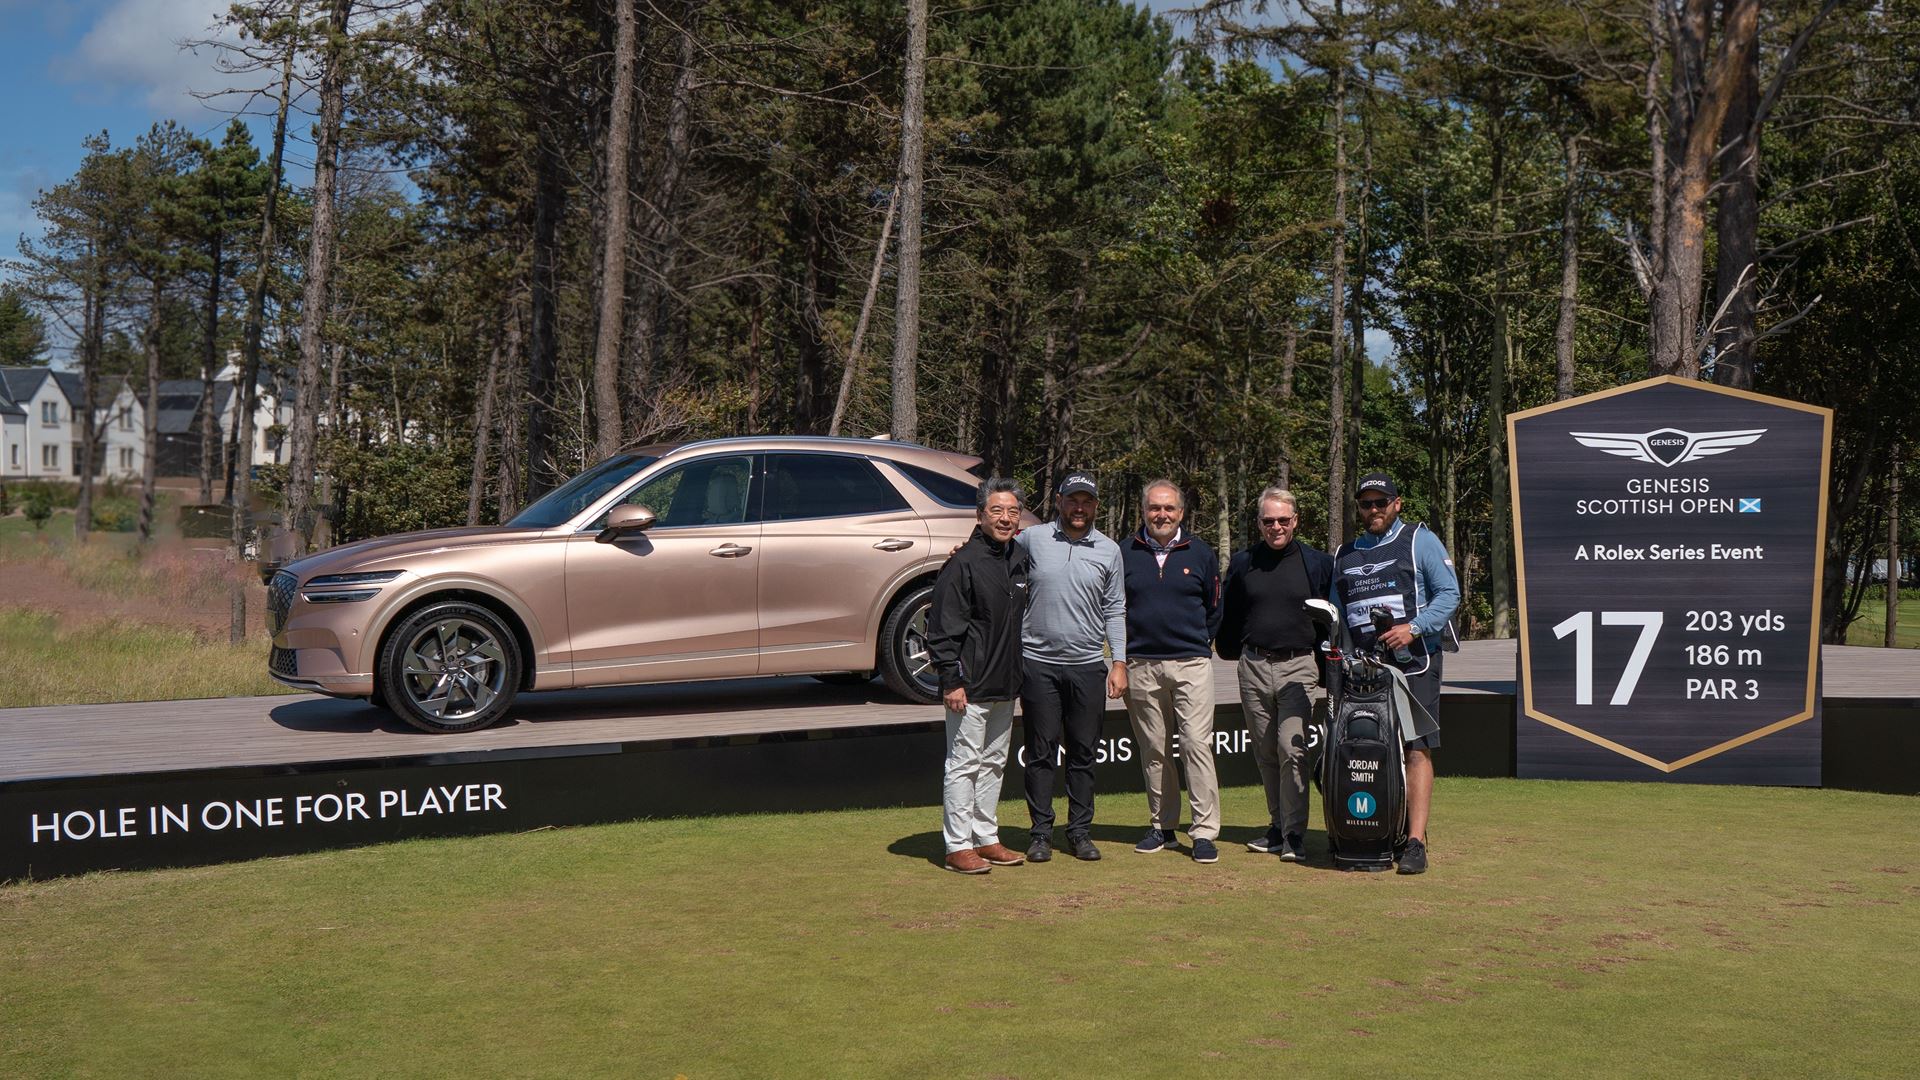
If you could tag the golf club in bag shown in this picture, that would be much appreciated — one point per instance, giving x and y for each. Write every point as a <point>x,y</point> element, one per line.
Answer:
<point>1362,767</point>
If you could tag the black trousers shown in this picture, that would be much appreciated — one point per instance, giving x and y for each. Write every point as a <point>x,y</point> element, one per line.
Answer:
<point>1055,701</point>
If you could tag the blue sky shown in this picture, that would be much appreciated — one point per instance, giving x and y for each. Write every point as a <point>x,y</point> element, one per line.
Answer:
<point>69,68</point>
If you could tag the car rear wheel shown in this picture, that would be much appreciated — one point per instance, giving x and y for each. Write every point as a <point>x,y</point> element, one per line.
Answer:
<point>905,663</point>
<point>451,666</point>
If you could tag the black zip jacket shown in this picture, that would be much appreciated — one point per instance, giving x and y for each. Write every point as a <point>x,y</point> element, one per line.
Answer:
<point>973,632</point>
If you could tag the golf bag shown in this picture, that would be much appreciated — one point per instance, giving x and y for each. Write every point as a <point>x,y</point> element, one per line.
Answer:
<point>1363,777</point>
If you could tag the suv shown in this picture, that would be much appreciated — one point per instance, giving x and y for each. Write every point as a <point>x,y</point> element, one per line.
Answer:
<point>704,560</point>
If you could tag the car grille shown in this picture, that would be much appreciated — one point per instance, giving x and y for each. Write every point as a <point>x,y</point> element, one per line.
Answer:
<point>282,663</point>
<point>280,599</point>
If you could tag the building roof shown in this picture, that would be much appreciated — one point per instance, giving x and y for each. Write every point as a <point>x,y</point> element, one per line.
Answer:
<point>23,382</point>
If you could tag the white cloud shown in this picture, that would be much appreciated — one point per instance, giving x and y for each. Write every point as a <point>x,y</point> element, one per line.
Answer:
<point>136,46</point>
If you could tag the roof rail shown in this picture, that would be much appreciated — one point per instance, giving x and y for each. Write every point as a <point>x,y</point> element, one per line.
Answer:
<point>849,440</point>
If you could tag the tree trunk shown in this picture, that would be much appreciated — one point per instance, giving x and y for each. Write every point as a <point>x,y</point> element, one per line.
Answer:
<point>1496,408</point>
<point>506,487</point>
<point>1737,231</point>
<point>94,324</point>
<point>209,367</point>
<point>906,302</point>
<point>543,340</point>
<point>1337,369</point>
<point>866,312</point>
<point>1357,385</point>
<point>317,300</point>
<point>246,391</point>
<point>1892,638</point>
<point>1569,271</point>
<point>658,244</point>
<point>1702,94</point>
<point>150,429</point>
<point>483,436</point>
<point>1288,357</point>
<point>613,255</point>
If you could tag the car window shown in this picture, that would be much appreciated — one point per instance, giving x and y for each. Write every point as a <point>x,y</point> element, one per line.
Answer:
<point>946,490</point>
<point>707,491</point>
<point>581,491</point>
<point>826,485</point>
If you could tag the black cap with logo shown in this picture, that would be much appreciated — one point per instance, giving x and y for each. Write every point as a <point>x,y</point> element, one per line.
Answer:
<point>1380,482</point>
<point>1078,481</point>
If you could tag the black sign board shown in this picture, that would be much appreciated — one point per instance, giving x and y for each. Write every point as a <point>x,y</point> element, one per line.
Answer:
<point>1668,536</point>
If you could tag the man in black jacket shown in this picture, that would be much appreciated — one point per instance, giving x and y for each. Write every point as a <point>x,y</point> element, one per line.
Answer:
<point>973,637</point>
<point>1264,625</point>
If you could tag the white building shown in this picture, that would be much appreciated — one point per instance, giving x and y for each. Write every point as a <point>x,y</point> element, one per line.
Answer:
<point>40,429</point>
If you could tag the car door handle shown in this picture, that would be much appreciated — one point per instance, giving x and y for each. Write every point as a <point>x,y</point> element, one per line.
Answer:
<point>894,545</point>
<point>730,551</point>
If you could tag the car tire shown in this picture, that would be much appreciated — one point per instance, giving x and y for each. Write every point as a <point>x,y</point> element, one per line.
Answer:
<point>451,666</point>
<point>904,661</point>
<point>845,678</point>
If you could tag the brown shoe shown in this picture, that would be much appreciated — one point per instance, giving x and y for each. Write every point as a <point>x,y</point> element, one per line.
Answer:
<point>1000,855</point>
<point>967,862</point>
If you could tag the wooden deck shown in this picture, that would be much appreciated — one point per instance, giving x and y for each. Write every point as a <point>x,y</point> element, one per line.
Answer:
<point>142,737</point>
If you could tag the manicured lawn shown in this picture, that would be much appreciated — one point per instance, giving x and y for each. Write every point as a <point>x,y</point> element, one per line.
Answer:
<point>1565,930</point>
<point>51,661</point>
<point>1871,627</point>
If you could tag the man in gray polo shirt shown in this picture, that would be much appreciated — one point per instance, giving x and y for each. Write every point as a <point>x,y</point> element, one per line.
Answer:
<point>1075,644</point>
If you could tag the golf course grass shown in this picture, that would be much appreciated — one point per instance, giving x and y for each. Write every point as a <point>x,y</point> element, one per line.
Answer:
<point>1565,930</point>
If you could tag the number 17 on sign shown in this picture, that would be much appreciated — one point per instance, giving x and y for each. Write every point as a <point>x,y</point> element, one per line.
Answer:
<point>1580,625</point>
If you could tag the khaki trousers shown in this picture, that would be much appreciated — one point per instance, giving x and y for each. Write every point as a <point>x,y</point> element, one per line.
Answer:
<point>1276,696</point>
<point>1165,697</point>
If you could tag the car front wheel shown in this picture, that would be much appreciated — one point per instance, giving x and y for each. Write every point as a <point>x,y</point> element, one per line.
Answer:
<point>905,663</point>
<point>451,666</point>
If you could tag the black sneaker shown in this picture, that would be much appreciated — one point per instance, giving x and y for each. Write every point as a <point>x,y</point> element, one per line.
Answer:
<point>1155,840</point>
<point>1414,859</point>
<point>1040,850</point>
<point>1083,849</point>
<point>1294,848</point>
<point>1204,851</point>
<point>1268,843</point>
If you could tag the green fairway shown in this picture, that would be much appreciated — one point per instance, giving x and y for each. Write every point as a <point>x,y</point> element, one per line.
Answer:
<point>1566,929</point>
<point>1871,627</point>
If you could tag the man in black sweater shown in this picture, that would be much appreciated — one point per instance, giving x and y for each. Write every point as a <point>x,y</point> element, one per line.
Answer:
<point>1264,626</point>
<point>973,638</point>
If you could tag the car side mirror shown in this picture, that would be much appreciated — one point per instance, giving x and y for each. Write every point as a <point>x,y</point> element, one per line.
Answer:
<point>625,521</point>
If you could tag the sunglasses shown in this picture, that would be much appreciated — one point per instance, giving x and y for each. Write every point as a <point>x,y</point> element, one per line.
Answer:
<point>1278,520</point>
<point>1375,504</point>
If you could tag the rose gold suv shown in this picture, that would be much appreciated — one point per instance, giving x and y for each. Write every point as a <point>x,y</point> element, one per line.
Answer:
<point>707,560</point>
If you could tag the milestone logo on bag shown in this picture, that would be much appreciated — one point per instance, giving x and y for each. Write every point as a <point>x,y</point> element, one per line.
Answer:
<point>1361,804</point>
<point>1367,569</point>
<point>1667,447</point>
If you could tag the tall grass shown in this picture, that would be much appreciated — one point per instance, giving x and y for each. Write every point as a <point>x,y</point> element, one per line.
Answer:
<point>50,661</point>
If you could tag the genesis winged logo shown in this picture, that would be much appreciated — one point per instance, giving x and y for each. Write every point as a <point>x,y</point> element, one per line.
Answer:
<point>1667,447</point>
<point>1365,569</point>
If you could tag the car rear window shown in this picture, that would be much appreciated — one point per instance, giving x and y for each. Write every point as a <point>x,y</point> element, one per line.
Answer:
<point>946,490</point>
<point>826,485</point>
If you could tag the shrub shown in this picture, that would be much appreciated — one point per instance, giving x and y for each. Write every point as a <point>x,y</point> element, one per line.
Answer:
<point>38,505</point>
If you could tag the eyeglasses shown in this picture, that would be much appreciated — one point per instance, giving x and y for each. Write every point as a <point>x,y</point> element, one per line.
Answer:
<point>1278,521</point>
<point>1375,504</point>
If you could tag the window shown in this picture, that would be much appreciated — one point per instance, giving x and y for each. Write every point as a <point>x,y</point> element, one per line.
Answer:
<point>49,457</point>
<point>947,491</point>
<point>126,419</point>
<point>13,457</point>
<point>50,413</point>
<point>578,493</point>
<point>126,458</point>
<point>705,491</point>
<point>826,485</point>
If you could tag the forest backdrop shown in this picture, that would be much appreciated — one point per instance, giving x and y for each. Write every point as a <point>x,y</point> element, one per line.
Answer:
<point>1049,232</point>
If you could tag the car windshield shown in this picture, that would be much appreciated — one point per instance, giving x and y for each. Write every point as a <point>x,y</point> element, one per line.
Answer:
<point>561,504</point>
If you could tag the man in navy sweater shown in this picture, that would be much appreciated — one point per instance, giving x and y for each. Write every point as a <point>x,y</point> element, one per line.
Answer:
<point>1173,610</point>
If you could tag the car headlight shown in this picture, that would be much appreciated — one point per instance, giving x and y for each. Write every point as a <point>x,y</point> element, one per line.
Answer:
<point>345,596</point>
<point>367,578</point>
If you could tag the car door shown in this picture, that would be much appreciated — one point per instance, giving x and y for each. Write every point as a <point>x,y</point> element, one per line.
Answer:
<point>678,600</point>
<point>835,535</point>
